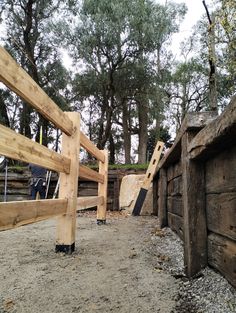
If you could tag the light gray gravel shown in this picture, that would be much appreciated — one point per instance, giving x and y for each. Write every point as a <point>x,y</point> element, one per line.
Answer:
<point>209,292</point>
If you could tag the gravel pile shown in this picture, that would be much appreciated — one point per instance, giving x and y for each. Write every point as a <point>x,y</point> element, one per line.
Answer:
<point>208,292</point>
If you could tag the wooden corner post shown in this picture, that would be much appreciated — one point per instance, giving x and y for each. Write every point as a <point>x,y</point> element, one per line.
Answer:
<point>66,225</point>
<point>102,190</point>
<point>195,231</point>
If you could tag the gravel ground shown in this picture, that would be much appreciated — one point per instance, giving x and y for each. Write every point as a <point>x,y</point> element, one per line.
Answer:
<point>126,266</point>
<point>209,292</point>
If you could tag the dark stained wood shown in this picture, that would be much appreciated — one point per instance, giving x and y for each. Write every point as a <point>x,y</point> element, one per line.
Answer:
<point>175,187</point>
<point>221,172</point>
<point>195,231</point>
<point>218,135</point>
<point>175,222</point>
<point>222,256</point>
<point>175,205</point>
<point>221,214</point>
<point>162,201</point>
<point>174,171</point>
<point>155,196</point>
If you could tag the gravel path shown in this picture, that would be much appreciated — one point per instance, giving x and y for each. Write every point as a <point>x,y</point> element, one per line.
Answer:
<point>128,265</point>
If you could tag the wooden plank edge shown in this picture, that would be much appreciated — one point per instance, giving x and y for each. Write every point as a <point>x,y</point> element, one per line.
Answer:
<point>84,203</point>
<point>91,148</point>
<point>18,213</point>
<point>87,173</point>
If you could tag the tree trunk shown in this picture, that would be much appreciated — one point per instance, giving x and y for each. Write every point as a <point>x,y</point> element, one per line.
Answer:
<point>112,150</point>
<point>143,136</point>
<point>3,112</point>
<point>127,134</point>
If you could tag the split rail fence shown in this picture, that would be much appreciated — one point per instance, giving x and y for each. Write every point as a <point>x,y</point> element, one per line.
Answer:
<point>196,191</point>
<point>18,147</point>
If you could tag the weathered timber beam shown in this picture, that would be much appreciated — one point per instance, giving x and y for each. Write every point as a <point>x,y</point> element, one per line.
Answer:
<point>91,148</point>
<point>15,78</point>
<point>88,173</point>
<point>89,202</point>
<point>18,147</point>
<point>192,121</point>
<point>215,136</point>
<point>18,213</point>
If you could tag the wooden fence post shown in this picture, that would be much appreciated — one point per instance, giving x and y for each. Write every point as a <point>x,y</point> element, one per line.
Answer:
<point>102,190</point>
<point>162,200</point>
<point>66,226</point>
<point>195,231</point>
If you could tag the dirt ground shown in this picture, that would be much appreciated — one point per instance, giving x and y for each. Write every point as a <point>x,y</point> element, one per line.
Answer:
<point>110,270</point>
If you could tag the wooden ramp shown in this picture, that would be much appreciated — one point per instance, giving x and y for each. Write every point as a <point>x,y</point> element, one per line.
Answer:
<point>148,178</point>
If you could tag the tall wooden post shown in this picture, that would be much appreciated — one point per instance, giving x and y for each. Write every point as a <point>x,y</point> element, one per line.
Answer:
<point>65,237</point>
<point>195,231</point>
<point>102,190</point>
<point>162,200</point>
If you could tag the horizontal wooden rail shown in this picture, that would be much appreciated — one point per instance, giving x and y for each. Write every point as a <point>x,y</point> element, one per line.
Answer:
<point>18,213</point>
<point>91,148</point>
<point>215,136</point>
<point>89,202</point>
<point>18,147</point>
<point>14,77</point>
<point>88,173</point>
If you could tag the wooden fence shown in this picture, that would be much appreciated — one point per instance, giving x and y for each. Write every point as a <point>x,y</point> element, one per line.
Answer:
<point>196,191</point>
<point>18,147</point>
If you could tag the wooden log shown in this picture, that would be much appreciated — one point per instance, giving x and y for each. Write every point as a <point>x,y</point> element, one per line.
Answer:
<point>68,188</point>
<point>221,214</point>
<point>195,230</point>
<point>91,148</point>
<point>88,192</point>
<point>175,205</point>
<point>18,213</point>
<point>222,256</point>
<point>84,203</point>
<point>216,136</point>
<point>175,187</point>
<point>102,189</point>
<point>14,77</point>
<point>175,222</point>
<point>220,173</point>
<point>162,201</point>
<point>88,173</point>
<point>18,147</point>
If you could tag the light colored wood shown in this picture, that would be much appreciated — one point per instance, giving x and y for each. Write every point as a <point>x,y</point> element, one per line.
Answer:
<point>17,213</point>
<point>89,202</point>
<point>18,147</point>
<point>216,136</point>
<point>91,148</point>
<point>102,188</point>
<point>14,77</point>
<point>153,165</point>
<point>69,184</point>
<point>88,173</point>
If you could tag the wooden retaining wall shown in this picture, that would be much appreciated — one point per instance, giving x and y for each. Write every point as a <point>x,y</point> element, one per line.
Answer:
<point>196,191</point>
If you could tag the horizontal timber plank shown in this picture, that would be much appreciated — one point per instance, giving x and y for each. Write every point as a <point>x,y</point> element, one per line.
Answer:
<point>175,205</point>
<point>174,171</point>
<point>175,187</point>
<point>89,202</point>
<point>221,214</point>
<point>175,222</point>
<point>222,256</point>
<point>88,173</point>
<point>18,213</point>
<point>91,148</point>
<point>18,147</point>
<point>221,173</point>
<point>15,78</point>
<point>217,135</point>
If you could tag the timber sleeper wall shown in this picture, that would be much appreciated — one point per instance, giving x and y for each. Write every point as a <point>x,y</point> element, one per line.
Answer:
<point>197,191</point>
<point>18,147</point>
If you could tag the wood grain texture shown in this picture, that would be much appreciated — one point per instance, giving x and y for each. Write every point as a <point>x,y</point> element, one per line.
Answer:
<point>216,136</point>
<point>91,148</point>
<point>221,214</point>
<point>18,147</point>
<point>15,78</point>
<point>175,222</point>
<point>18,213</point>
<point>162,200</point>
<point>102,188</point>
<point>88,173</point>
<point>175,186</point>
<point>222,256</point>
<point>174,171</point>
<point>84,203</point>
<point>175,205</point>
